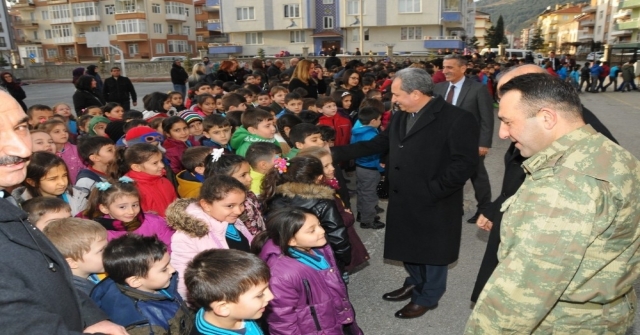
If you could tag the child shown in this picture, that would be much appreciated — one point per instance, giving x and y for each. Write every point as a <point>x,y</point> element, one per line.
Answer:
<point>177,141</point>
<point>44,210</point>
<point>330,117</point>
<point>83,125</point>
<point>195,92</point>
<point>81,242</point>
<point>205,105</point>
<point>47,176</point>
<point>261,157</point>
<point>257,126</point>
<point>142,162</point>
<point>575,77</point>
<point>143,134</point>
<point>309,104</point>
<point>343,101</point>
<point>59,133</point>
<point>97,153</point>
<point>264,100</point>
<point>328,135</point>
<point>374,94</point>
<point>64,110</point>
<point>219,105</point>
<point>210,222</point>
<point>216,132</point>
<point>305,278</point>
<point>98,125</point>
<point>113,111</point>
<point>301,184</point>
<point>233,102</point>
<point>237,167</point>
<point>367,168</point>
<point>247,94</point>
<point>140,292</point>
<point>177,101</point>
<point>157,104</point>
<point>292,104</point>
<point>190,180</point>
<point>38,114</point>
<point>116,206</point>
<point>93,111</point>
<point>278,93</point>
<point>194,121</point>
<point>42,141</point>
<point>230,289</point>
<point>303,136</point>
<point>284,125</point>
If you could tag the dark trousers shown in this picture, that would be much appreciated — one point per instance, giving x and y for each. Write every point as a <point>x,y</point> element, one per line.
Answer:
<point>430,282</point>
<point>126,105</point>
<point>614,81</point>
<point>481,186</point>
<point>489,261</point>
<point>582,81</point>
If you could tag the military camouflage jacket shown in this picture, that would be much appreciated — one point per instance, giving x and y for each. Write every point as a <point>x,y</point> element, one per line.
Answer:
<point>570,233</point>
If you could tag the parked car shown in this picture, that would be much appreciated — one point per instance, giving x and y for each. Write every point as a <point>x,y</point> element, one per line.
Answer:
<point>168,58</point>
<point>595,55</point>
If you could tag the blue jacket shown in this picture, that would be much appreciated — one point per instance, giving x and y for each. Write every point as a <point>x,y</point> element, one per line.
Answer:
<point>614,71</point>
<point>135,309</point>
<point>575,76</point>
<point>596,70</point>
<point>361,133</point>
<point>562,73</point>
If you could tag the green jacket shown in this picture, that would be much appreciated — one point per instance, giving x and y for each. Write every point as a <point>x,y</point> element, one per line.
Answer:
<point>242,139</point>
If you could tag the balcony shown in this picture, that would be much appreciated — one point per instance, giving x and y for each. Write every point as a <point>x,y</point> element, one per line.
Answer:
<point>24,4</point>
<point>60,20</point>
<point>585,35</point>
<point>64,40</point>
<point>588,23</point>
<point>623,13</point>
<point>81,39</point>
<point>620,32</point>
<point>130,13</point>
<point>216,39</point>
<point>589,9</point>
<point>87,19</point>
<point>176,17</point>
<point>27,41</point>
<point>451,16</point>
<point>135,37</point>
<point>214,25</point>
<point>629,25</point>
<point>26,24</point>
<point>443,42</point>
<point>225,48</point>
<point>212,6</point>
<point>177,36</point>
<point>628,4</point>
<point>53,2</point>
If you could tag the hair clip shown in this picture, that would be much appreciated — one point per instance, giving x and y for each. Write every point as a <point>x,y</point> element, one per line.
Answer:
<point>83,110</point>
<point>125,179</point>
<point>103,185</point>
<point>344,94</point>
<point>216,154</point>
<point>281,164</point>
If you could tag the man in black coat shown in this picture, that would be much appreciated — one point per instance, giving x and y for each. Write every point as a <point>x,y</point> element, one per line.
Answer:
<point>179,78</point>
<point>119,89</point>
<point>275,69</point>
<point>514,175</point>
<point>37,295</point>
<point>433,151</point>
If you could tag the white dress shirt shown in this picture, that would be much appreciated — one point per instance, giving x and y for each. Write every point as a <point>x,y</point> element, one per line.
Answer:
<point>456,93</point>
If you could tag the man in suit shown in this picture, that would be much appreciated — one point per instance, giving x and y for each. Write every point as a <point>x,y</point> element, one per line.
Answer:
<point>556,64</point>
<point>425,186</point>
<point>473,97</point>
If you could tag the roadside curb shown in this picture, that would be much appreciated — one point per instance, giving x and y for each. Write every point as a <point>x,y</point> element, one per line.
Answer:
<point>68,81</point>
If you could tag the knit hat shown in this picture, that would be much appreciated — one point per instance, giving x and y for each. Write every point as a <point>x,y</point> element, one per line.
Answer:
<point>141,134</point>
<point>94,121</point>
<point>189,116</point>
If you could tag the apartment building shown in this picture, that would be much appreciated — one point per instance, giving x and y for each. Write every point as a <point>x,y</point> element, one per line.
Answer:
<point>627,23</point>
<point>299,26</point>
<point>6,36</point>
<point>54,30</point>
<point>482,24</point>
<point>554,17</point>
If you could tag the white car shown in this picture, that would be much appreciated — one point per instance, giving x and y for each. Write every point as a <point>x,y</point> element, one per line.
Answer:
<point>595,55</point>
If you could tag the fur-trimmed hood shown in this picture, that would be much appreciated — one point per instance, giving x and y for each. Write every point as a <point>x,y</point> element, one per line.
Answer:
<point>306,191</point>
<point>178,219</point>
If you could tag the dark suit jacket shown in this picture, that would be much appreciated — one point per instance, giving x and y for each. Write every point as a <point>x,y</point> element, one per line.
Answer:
<point>474,98</point>
<point>425,181</point>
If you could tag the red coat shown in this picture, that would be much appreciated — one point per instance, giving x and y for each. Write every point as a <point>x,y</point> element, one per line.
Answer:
<point>175,149</point>
<point>438,77</point>
<point>342,126</point>
<point>156,192</point>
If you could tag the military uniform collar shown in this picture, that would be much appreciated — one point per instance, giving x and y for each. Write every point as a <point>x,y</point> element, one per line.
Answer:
<point>549,156</point>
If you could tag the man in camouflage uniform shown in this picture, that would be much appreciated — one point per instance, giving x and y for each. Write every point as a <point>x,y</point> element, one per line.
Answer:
<point>570,235</point>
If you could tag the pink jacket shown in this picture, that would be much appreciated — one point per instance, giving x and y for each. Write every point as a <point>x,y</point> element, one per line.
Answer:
<point>74,163</point>
<point>196,231</point>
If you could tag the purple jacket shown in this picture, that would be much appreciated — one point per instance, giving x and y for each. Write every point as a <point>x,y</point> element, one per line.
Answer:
<point>152,225</point>
<point>306,301</point>
<point>72,160</point>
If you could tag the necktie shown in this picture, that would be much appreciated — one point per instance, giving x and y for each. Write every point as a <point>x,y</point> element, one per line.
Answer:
<point>450,94</point>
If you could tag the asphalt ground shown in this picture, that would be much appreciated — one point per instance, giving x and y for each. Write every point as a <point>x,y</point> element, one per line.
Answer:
<point>620,112</point>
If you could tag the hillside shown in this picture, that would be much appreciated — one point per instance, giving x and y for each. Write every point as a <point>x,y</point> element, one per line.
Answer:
<point>517,14</point>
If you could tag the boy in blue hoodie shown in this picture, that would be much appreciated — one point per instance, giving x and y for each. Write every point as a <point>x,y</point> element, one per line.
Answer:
<point>367,168</point>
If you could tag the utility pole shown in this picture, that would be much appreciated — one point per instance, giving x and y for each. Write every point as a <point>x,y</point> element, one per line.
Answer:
<point>361,29</point>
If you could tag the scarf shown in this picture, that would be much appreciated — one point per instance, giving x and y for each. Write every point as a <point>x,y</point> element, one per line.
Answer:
<point>156,192</point>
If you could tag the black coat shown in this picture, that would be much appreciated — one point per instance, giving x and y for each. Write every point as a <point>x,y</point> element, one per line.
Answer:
<point>178,75</point>
<point>17,93</point>
<point>331,62</point>
<point>225,76</point>
<point>83,99</point>
<point>513,178</point>
<point>427,170</point>
<point>273,71</point>
<point>313,88</point>
<point>33,298</point>
<point>119,90</point>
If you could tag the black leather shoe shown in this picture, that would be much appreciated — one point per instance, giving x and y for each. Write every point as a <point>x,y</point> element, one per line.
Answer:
<point>375,219</point>
<point>376,224</point>
<point>474,218</point>
<point>412,310</point>
<point>400,294</point>
<point>379,209</point>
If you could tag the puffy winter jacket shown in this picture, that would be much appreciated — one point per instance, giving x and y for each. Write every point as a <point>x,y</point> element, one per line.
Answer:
<point>306,301</point>
<point>175,149</point>
<point>320,200</point>
<point>152,224</point>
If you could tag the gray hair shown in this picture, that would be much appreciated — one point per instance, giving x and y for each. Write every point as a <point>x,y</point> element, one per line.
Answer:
<point>415,79</point>
<point>462,61</point>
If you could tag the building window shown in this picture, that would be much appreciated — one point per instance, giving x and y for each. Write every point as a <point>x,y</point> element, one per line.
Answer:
<point>175,8</point>
<point>109,9</point>
<point>292,10</point>
<point>35,35</point>
<point>157,28</point>
<point>410,33</point>
<point>47,34</point>
<point>69,52</point>
<point>171,30</point>
<point>178,46</point>
<point>155,8</point>
<point>133,49</point>
<point>3,42</point>
<point>451,5</point>
<point>599,30</point>
<point>52,53</point>
<point>601,14</point>
<point>355,35</point>
<point>84,9</point>
<point>186,11</point>
<point>297,36</point>
<point>60,12</point>
<point>199,24</point>
<point>353,7</point>
<point>45,15</point>
<point>186,30</point>
<point>111,29</point>
<point>327,2</point>
<point>97,51</point>
<point>131,26</point>
<point>198,10</point>
<point>95,29</point>
<point>327,22</point>
<point>253,38</point>
<point>366,33</point>
<point>159,48</point>
<point>61,30</point>
<point>199,38</point>
<point>245,13</point>
<point>409,6</point>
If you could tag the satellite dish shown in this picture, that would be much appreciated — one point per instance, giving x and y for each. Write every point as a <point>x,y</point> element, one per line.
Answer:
<point>293,24</point>
<point>357,21</point>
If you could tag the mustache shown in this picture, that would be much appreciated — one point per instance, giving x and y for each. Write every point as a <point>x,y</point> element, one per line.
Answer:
<point>8,160</point>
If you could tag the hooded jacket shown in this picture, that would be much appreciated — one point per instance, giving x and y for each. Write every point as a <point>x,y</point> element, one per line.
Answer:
<point>142,312</point>
<point>37,295</point>
<point>77,201</point>
<point>187,186</point>
<point>71,158</point>
<point>91,71</point>
<point>151,225</point>
<point>94,121</point>
<point>175,149</point>
<point>320,200</point>
<point>306,301</point>
<point>362,133</point>
<point>196,231</point>
<point>242,139</point>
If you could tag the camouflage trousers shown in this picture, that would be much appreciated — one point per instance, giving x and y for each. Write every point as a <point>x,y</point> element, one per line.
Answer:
<point>614,318</point>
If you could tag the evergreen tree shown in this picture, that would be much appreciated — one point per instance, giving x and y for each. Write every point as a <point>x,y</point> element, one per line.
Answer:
<point>489,37</point>
<point>498,36</point>
<point>473,42</point>
<point>537,41</point>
